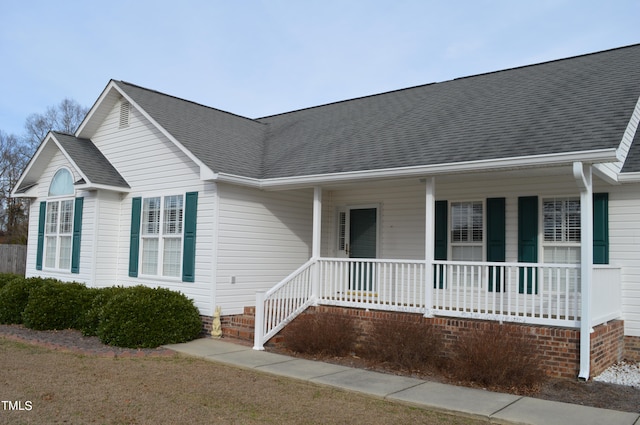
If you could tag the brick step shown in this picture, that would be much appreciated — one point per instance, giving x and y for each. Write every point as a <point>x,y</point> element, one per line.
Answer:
<point>245,334</point>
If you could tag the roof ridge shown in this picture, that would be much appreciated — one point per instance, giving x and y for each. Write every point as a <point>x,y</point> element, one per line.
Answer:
<point>350,99</point>
<point>188,101</point>
<point>546,62</point>
<point>447,81</point>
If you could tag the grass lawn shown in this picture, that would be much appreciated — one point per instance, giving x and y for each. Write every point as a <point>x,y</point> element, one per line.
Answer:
<point>55,387</point>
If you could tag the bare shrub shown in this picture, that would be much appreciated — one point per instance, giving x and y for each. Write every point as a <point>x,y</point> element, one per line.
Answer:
<point>497,356</point>
<point>411,345</point>
<point>326,334</point>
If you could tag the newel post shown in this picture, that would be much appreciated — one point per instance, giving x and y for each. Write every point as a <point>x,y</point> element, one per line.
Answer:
<point>258,331</point>
<point>429,246</point>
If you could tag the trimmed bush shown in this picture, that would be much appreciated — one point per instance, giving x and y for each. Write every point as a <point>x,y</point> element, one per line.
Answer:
<point>412,345</point>
<point>57,305</point>
<point>8,277</point>
<point>497,356</point>
<point>143,317</point>
<point>14,296</point>
<point>91,319</point>
<point>322,334</point>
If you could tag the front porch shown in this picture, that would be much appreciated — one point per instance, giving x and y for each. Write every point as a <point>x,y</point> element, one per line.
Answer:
<point>540,294</point>
<point>547,296</point>
<point>506,246</point>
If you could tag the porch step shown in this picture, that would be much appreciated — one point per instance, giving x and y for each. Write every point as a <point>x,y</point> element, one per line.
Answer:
<point>242,326</point>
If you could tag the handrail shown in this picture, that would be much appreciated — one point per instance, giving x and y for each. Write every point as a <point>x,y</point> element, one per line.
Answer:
<point>281,304</point>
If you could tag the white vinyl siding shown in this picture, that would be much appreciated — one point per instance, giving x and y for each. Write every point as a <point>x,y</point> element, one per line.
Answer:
<point>263,237</point>
<point>153,166</point>
<point>624,249</point>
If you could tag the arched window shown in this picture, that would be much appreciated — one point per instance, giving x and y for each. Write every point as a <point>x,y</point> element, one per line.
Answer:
<point>62,183</point>
<point>59,222</point>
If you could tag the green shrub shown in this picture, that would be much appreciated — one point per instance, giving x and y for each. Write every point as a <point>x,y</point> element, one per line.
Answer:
<point>8,277</point>
<point>14,296</point>
<point>57,305</point>
<point>143,317</point>
<point>409,345</point>
<point>326,334</point>
<point>497,356</point>
<point>91,319</point>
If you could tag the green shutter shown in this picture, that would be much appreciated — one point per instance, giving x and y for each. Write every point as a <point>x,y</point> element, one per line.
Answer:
<point>41,222</point>
<point>134,241</point>
<point>527,241</point>
<point>600,228</point>
<point>496,239</point>
<point>77,232</point>
<point>189,251</point>
<point>440,237</point>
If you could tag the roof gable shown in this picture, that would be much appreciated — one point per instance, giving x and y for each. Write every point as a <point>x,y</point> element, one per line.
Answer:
<point>89,162</point>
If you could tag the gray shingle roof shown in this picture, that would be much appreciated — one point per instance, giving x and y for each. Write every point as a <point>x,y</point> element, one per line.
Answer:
<point>569,105</point>
<point>575,104</point>
<point>91,161</point>
<point>224,142</point>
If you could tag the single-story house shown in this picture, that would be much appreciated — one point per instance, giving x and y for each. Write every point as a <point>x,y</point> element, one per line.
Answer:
<point>510,196</point>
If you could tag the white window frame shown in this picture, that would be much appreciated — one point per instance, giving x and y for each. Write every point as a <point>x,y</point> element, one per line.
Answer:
<point>565,241</point>
<point>469,242</point>
<point>162,230</point>
<point>56,231</point>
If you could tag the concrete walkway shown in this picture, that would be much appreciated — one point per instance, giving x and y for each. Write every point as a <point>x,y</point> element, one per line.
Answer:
<point>493,407</point>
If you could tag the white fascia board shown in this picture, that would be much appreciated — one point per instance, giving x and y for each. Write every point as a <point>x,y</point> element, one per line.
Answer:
<point>49,138</point>
<point>29,193</point>
<point>239,180</point>
<point>90,186</point>
<point>95,107</point>
<point>629,178</point>
<point>603,155</point>
<point>590,157</point>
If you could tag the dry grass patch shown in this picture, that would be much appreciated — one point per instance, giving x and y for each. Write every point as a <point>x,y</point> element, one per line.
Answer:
<point>69,388</point>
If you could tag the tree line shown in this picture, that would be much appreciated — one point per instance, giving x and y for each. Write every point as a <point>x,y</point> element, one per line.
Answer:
<point>16,152</point>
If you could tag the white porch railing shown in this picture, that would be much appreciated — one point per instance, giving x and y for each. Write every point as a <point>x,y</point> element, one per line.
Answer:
<point>282,303</point>
<point>544,294</point>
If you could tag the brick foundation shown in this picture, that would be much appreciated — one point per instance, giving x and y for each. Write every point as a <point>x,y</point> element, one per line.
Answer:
<point>207,322</point>
<point>558,348</point>
<point>632,348</point>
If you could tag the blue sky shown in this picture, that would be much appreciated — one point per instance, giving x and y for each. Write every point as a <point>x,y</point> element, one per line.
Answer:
<point>257,58</point>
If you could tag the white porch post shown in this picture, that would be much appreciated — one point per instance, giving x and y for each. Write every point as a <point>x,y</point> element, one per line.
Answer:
<point>582,174</point>
<point>429,249</point>
<point>316,240</point>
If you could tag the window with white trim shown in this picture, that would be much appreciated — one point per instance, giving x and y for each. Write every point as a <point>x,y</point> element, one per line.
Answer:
<point>58,230</point>
<point>561,224</point>
<point>161,234</point>
<point>467,235</point>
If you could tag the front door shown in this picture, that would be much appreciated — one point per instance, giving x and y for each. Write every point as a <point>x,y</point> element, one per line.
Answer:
<point>363,241</point>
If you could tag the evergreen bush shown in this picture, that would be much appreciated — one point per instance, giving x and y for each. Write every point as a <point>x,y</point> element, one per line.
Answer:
<point>143,317</point>
<point>14,296</point>
<point>93,314</point>
<point>57,305</point>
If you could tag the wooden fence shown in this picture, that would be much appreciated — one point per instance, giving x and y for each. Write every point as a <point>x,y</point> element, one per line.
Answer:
<point>13,259</point>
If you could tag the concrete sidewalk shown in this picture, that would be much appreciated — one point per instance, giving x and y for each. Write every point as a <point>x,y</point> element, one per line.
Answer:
<point>494,407</point>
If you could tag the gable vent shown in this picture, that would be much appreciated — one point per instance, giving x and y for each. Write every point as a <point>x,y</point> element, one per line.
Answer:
<point>124,114</point>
